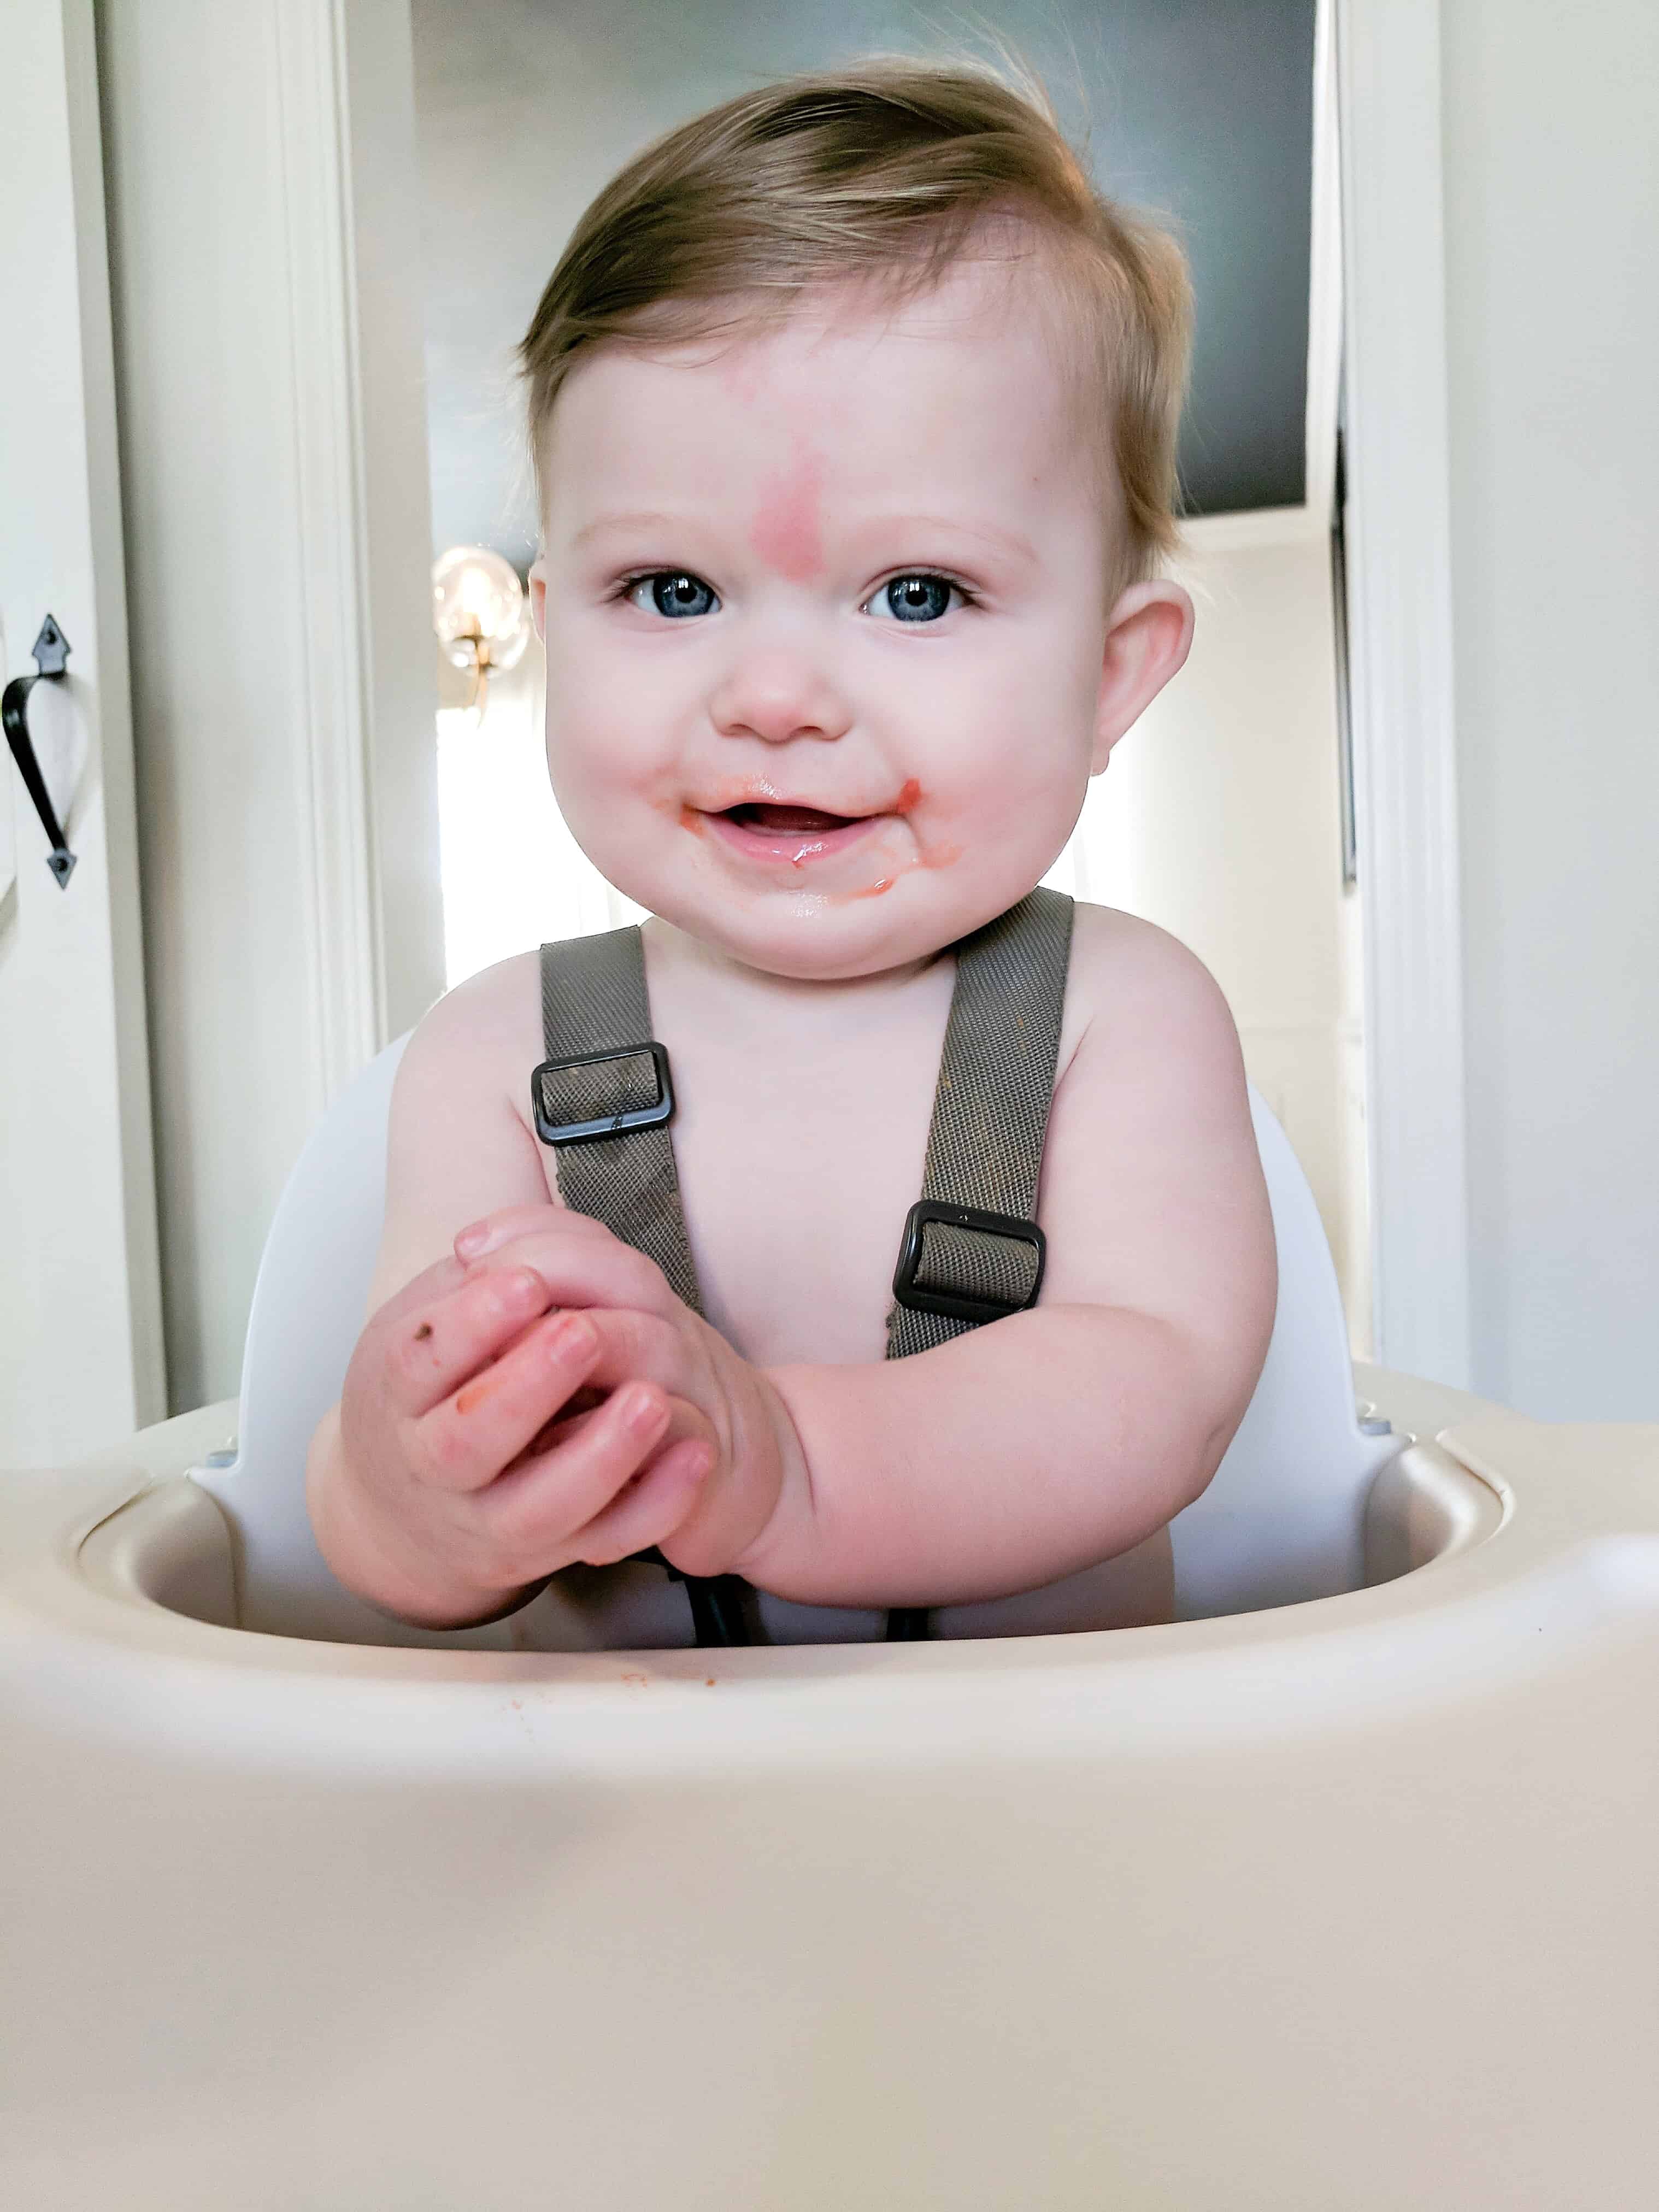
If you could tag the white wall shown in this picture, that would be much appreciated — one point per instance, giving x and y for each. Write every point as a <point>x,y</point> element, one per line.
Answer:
<point>1218,818</point>
<point>1551,181</point>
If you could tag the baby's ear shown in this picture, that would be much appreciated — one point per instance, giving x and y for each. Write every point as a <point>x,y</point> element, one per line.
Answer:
<point>538,596</point>
<point>1147,639</point>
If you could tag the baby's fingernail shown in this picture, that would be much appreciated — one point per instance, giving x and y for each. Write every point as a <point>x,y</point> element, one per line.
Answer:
<point>571,1336</point>
<point>642,1410</point>
<point>472,1240</point>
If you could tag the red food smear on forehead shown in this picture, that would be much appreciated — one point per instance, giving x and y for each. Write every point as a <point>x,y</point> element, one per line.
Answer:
<point>787,531</point>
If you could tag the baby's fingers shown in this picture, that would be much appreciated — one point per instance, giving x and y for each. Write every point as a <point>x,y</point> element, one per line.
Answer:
<point>464,1441</point>
<point>648,1510</point>
<point>429,1348</point>
<point>537,1508</point>
<point>584,1265</point>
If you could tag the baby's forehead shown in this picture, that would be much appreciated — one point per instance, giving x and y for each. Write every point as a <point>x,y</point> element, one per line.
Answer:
<point>890,373</point>
<point>987,298</point>
<point>851,408</point>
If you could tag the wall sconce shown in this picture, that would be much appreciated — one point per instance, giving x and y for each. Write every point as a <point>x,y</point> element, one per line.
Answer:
<point>481,615</point>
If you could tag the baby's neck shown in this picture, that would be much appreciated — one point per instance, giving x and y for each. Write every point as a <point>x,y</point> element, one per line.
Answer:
<point>727,989</point>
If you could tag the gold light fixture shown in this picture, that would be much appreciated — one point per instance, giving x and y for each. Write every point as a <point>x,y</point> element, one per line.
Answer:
<point>480,614</point>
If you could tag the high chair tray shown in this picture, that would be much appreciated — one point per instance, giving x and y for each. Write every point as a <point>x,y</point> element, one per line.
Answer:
<point>1347,1905</point>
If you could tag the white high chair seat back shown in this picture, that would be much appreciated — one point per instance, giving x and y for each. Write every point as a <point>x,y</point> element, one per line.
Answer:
<point>1280,1523</point>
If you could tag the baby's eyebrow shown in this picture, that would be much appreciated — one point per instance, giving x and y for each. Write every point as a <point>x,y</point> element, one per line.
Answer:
<point>1011,543</point>
<point>1007,541</point>
<point>646,520</point>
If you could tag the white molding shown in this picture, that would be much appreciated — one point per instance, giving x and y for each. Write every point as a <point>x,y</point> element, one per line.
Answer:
<point>388,301</point>
<point>1401,694</point>
<point>330,549</point>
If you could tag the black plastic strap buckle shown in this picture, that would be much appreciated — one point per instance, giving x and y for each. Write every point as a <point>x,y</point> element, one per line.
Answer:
<point>963,1304</point>
<point>606,1125</point>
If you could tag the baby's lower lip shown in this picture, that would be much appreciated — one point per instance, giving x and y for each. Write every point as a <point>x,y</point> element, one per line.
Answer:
<point>794,844</point>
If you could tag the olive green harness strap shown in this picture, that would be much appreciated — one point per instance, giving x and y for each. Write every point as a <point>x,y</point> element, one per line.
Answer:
<point>604,1097</point>
<point>972,1250</point>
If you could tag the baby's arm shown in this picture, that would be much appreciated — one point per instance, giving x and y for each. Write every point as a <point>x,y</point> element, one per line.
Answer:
<point>1061,1436</point>
<point>485,1437</point>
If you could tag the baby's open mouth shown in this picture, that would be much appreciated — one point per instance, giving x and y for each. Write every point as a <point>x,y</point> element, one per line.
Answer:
<point>787,821</point>
<point>776,834</point>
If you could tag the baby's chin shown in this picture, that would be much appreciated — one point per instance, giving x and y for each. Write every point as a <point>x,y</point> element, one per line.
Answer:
<point>815,937</point>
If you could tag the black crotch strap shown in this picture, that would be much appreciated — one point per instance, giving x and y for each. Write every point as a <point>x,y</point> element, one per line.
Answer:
<point>972,1250</point>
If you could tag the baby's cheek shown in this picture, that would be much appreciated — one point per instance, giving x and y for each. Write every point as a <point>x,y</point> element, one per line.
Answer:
<point>605,743</point>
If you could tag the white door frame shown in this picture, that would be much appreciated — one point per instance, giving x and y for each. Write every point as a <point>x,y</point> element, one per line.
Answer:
<point>1401,674</point>
<point>360,515</point>
<point>357,331</point>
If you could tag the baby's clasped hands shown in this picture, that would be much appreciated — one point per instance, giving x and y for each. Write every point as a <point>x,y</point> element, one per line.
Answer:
<point>544,1398</point>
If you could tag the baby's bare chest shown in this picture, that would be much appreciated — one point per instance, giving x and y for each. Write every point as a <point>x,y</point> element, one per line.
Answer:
<point>795,1192</point>
<point>798,1163</point>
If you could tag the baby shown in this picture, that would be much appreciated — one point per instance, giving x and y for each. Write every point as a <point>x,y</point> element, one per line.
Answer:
<point>853,408</point>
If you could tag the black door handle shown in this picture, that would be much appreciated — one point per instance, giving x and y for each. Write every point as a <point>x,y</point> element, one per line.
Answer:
<point>52,652</point>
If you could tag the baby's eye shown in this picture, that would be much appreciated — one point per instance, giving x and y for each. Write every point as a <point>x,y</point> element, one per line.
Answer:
<point>918,598</point>
<point>672,592</point>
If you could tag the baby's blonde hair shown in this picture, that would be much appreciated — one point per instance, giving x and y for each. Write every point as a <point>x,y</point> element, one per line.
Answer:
<point>881,170</point>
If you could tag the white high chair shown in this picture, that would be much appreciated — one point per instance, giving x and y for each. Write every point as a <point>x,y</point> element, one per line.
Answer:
<point>1344,1902</point>
<point>1280,1522</point>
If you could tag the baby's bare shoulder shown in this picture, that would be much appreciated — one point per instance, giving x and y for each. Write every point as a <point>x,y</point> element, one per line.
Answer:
<point>460,1144</point>
<point>479,1041</point>
<point>1149,1044</point>
<point>1134,982</point>
<point>1151,1174</point>
<point>489,1011</point>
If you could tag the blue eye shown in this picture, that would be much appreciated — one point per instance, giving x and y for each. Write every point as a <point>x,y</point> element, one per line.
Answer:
<point>672,592</point>
<point>916,599</point>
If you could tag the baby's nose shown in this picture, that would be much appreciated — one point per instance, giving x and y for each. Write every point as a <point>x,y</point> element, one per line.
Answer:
<point>776,696</point>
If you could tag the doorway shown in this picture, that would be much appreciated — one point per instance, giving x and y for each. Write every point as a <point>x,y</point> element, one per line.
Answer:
<point>1221,817</point>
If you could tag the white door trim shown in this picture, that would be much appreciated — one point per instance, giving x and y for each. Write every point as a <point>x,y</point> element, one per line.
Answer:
<point>1399,632</point>
<point>331,555</point>
<point>361,520</point>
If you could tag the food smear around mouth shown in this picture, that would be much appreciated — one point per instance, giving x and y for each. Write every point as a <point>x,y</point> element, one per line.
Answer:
<point>932,856</point>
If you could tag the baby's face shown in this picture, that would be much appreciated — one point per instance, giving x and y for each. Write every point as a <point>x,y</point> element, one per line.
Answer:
<point>831,654</point>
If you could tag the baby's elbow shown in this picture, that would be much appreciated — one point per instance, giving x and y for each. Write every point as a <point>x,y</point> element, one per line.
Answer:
<point>1216,1396</point>
<point>1195,1393</point>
